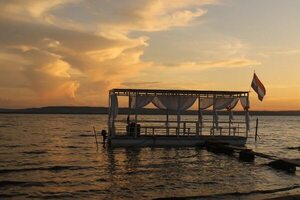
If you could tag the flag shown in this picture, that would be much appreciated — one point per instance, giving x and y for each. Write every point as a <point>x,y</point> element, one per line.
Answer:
<point>258,87</point>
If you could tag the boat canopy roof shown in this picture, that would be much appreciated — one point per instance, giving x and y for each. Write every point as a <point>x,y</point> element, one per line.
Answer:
<point>166,92</point>
<point>179,100</point>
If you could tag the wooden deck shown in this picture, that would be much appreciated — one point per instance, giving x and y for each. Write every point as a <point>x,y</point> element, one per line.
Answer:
<point>174,141</point>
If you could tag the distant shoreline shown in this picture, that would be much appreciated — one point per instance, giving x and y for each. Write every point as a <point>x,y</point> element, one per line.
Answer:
<point>145,111</point>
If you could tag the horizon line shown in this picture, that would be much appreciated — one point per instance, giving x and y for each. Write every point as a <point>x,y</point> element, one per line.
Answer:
<point>105,107</point>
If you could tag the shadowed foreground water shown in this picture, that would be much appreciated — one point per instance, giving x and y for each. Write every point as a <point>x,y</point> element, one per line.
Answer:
<point>54,157</point>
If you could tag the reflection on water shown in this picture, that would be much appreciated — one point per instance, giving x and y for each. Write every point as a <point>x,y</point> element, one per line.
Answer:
<point>54,156</point>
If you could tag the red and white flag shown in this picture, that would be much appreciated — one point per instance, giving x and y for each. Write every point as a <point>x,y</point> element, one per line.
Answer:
<point>258,87</point>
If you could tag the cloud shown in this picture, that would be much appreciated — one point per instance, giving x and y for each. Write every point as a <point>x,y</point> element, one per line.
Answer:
<point>106,17</point>
<point>221,74</point>
<point>141,84</point>
<point>58,66</point>
<point>64,52</point>
<point>271,53</point>
<point>289,52</point>
<point>229,63</point>
<point>29,10</point>
<point>145,15</point>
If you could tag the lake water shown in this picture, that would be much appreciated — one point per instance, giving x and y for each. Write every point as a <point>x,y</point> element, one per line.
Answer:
<point>54,157</point>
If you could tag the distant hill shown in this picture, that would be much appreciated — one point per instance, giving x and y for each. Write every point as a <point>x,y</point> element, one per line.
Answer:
<point>145,111</point>
<point>58,110</point>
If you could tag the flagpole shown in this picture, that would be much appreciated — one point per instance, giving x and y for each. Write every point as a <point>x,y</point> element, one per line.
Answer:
<point>251,81</point>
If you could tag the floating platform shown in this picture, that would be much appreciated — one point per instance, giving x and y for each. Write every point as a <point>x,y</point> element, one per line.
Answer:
<point>174,131</point>
<point>248,155</point>
<point>174,141</point>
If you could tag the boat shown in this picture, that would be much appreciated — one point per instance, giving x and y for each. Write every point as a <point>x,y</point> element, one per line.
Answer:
<point>173,131</point>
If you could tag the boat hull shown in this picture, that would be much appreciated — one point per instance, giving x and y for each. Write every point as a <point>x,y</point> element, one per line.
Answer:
<point>182,141</point>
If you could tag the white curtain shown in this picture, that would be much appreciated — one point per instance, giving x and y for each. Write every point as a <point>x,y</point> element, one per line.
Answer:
<point>246,105</point>
<point>222,103</point>
<point>172,102</point>
<point>158,103</point>
<point>186,102</point>
<point>169,102</point>
<point>114,106</point>
<point>140,101</point>
<point>247,119</point>
<point>206,103</point>
<point>216,119</point>
<point>245,102</point>
<point>232,106</point>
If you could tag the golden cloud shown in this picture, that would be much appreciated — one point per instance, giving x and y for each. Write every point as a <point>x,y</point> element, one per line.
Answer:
<point>229,63</point>
<point>60,56</point>
<point>57,68</point>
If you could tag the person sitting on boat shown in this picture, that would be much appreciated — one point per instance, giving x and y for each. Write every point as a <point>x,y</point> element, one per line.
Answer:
<point>128,120</point>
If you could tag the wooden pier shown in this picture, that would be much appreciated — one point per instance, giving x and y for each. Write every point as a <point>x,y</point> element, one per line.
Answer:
<point>248,155</point>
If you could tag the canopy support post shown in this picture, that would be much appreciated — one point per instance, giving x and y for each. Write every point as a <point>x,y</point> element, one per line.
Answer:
<point>199,124</point>
<point>214,114</point>
<point>167,121</point>
<point>178,117</point>
<point>109,117</point>
<point>129,108</point>
<point>230,119</point>
<point>113,120</point>
<point>247,116</point>
<point>135,117</point>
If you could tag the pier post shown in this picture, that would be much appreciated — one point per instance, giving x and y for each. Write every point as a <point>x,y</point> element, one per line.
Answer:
<point>256,130</point>
<point>283,165</point>
<point>247,155</point>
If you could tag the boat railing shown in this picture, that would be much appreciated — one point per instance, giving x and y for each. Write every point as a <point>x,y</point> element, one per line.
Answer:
<point>185,128</point>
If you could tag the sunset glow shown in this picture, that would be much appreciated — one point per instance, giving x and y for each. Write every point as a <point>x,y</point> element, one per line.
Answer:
<point>71,52</point>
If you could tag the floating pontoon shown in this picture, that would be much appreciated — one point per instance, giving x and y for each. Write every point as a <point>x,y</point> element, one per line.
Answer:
<point>133,130</point>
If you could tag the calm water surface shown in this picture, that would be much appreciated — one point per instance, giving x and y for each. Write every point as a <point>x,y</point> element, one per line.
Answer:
<point>54,157</point>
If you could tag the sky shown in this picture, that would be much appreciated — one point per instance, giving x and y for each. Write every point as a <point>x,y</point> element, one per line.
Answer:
<point>72,52</point>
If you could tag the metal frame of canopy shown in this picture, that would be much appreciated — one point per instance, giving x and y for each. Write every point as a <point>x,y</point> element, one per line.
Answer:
<point>162,92</point>
<point>199,93</point>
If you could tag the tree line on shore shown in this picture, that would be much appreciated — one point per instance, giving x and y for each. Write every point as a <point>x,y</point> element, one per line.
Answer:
<point>145,111</point>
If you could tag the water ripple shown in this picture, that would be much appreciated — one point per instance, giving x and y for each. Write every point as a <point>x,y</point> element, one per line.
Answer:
<point>23,183</point>
<point>52,169</point>
<point>36,152</point>
<point>55,157</point>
